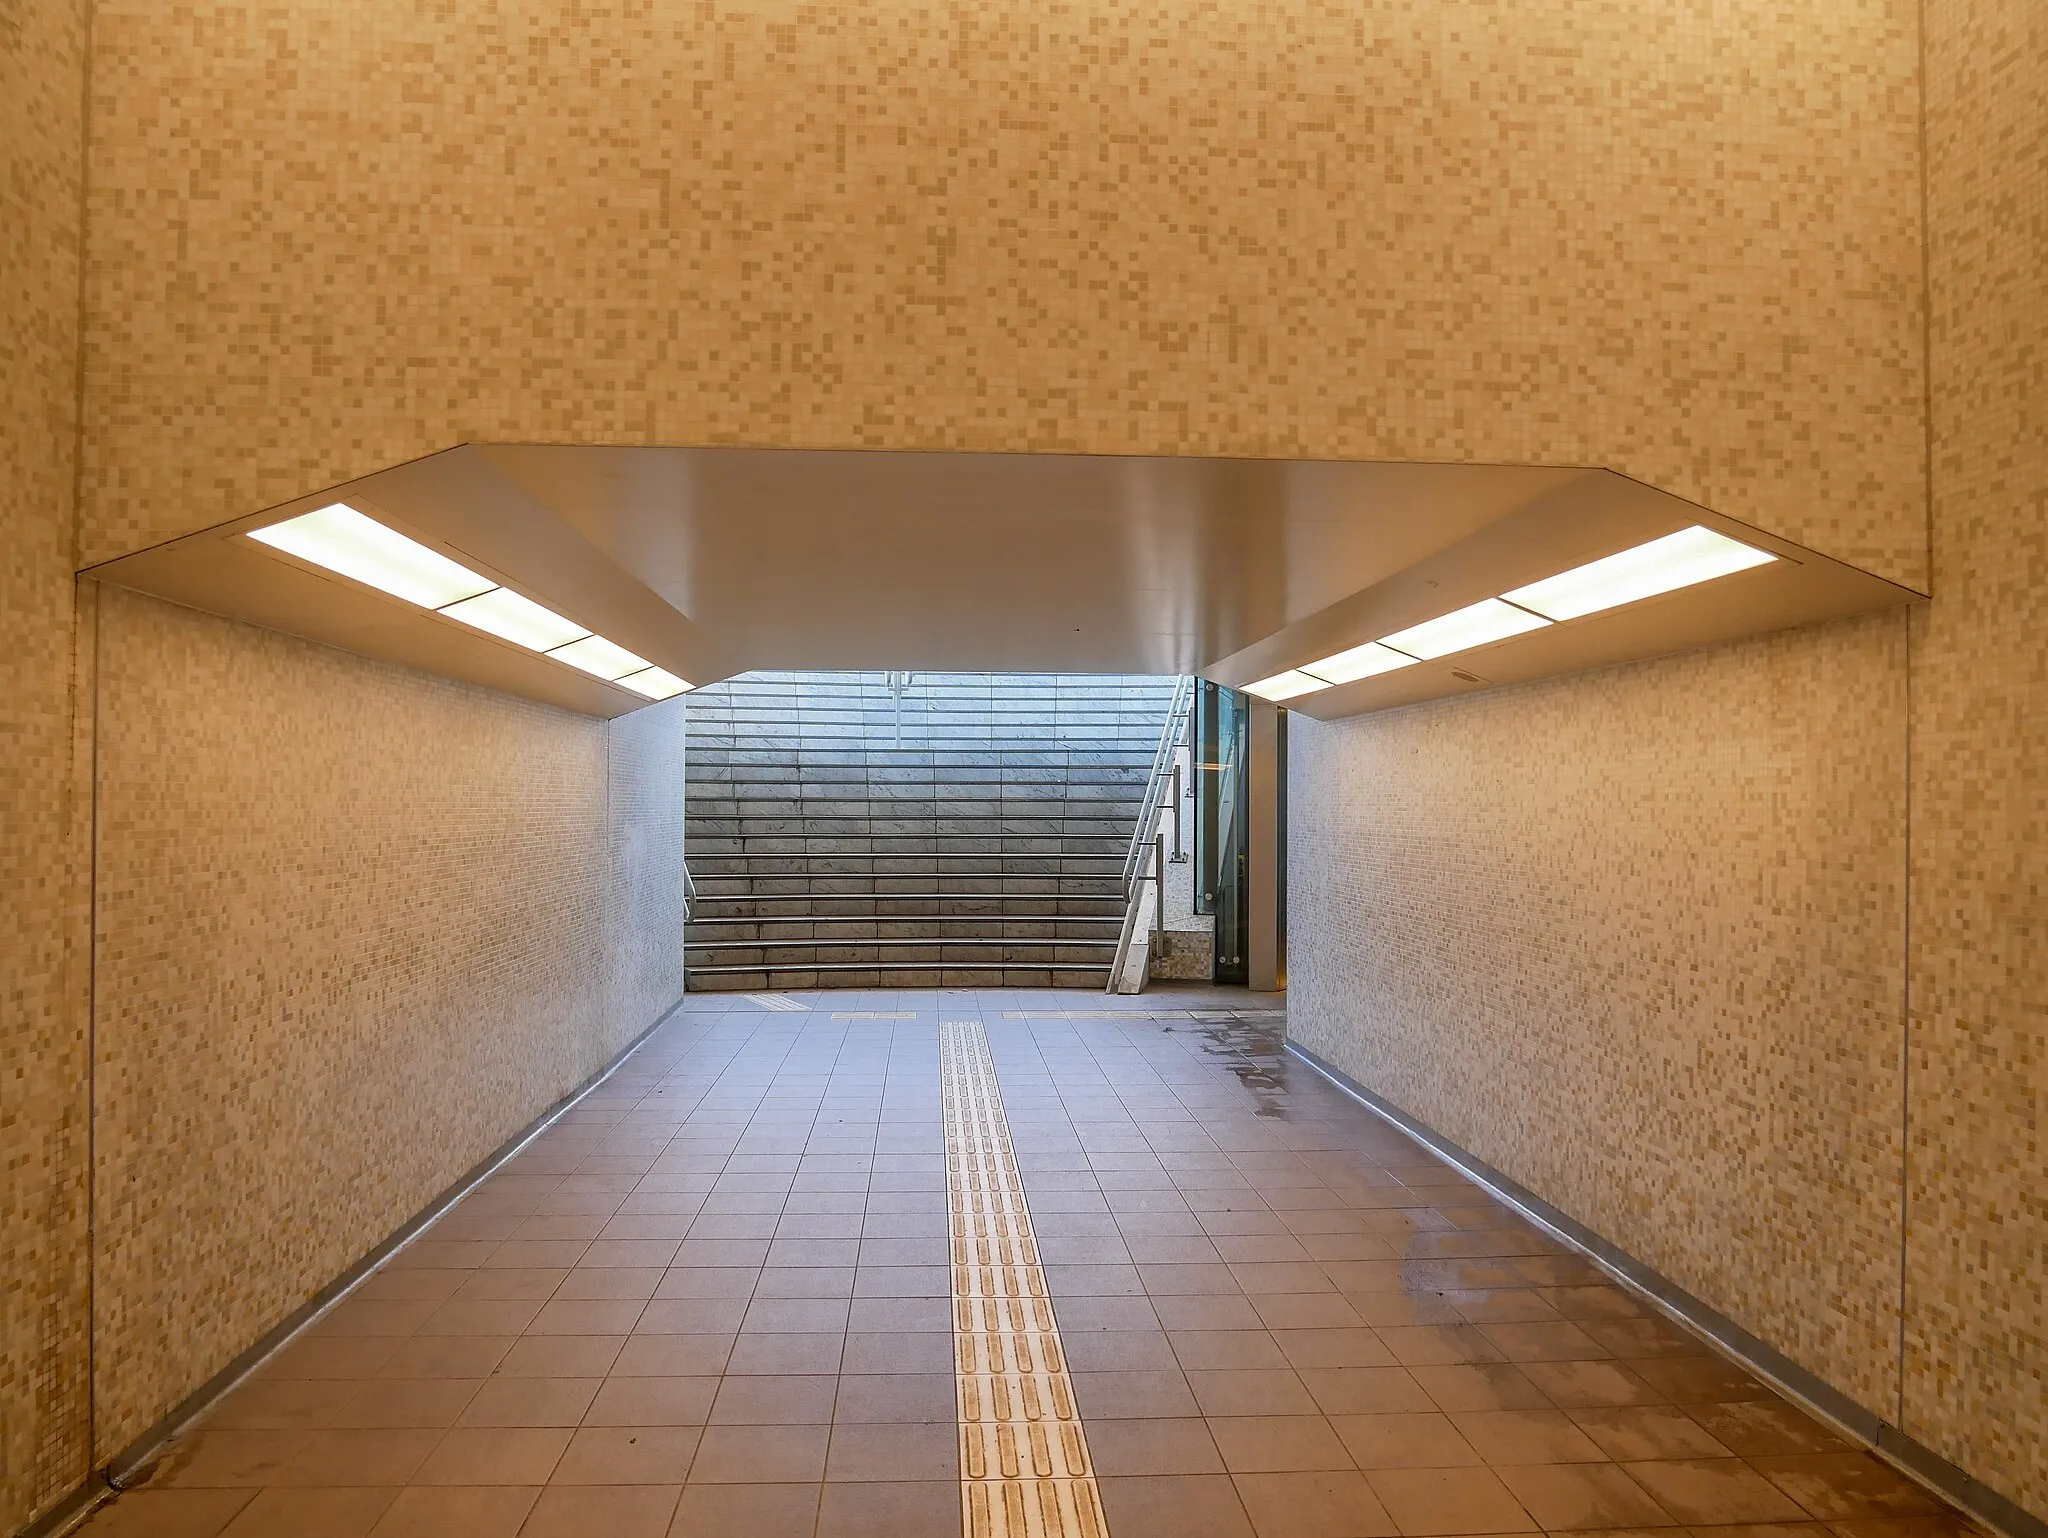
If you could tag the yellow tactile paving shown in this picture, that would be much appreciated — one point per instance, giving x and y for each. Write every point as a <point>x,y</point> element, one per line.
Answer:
<point>1024,1465</point>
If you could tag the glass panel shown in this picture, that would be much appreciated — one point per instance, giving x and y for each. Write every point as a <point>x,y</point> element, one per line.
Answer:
<point>1222,822</point>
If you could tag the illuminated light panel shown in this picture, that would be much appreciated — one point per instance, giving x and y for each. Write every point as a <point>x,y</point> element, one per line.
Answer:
<point>607,660</point>
<point>1285,686</point>
<point>519,620</point>
<point>1463,629</point>
<point>343,540</point>
<point>656,683</point>
<point>1365,661</point>
<point>1684,559</point>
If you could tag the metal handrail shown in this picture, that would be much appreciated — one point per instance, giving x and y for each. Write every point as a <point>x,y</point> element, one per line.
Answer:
<point>1146,835</point>
<point>1171,735</point>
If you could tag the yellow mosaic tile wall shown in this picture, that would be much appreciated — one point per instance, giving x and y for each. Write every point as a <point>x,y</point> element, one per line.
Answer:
<point>1678,240</point>
<point>335,896</point>
<point>43,1308</point>
<point>1976,1364</point>
<point>1634,938</point>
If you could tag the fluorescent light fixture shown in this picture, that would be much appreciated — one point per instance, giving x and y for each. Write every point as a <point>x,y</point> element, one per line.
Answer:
<point>519,620</point>
<point>343,540</point>
<point>1285,686</point>
<point>656,683</point>
<point>1664,565</point>
<point>1360,662</point>
<point>594,654</point>
<point>1462,629</point>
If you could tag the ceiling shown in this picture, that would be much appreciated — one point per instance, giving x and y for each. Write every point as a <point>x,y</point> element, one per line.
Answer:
<point>714,561</point>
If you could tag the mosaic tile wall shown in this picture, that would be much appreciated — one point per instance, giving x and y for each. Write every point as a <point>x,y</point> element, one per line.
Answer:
<point>335,896</point>
<point>43,1292</point>
<point>1678,240</point>
<point>1635,938</point>
<point>1976,1360</point>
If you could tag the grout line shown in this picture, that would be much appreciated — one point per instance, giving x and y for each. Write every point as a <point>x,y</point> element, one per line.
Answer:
<point>1025,1470</point>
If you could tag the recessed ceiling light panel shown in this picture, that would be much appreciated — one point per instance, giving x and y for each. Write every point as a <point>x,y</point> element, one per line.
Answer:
<point>1365,661</point>
<point>656,683</point>
<point>521,621</point>
<point>1684,559</point>
<point>594,654</point>
<point>1285,686</point>
<point>1463,629</point>
<point>344,541</point>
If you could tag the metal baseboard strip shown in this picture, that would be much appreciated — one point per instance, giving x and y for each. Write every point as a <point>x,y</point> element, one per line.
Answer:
<point>1911,1456</point>
<point>120,1471</point>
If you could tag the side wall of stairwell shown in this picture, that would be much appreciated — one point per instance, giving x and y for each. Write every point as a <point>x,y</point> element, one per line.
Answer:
<point>914,830</point>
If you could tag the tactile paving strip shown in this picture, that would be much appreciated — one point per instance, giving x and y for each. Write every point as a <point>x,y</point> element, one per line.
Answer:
<point>1024,1466</point>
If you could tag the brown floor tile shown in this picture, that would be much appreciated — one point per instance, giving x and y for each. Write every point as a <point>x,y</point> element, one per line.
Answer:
<point>1571,1497</point>
<point>1153,1446</point>
<point>463,1512</point>
<point>1577,1385</point>
<point>1425,1440</point>
<point>385,1403</point>
<point>746,1511</point>
<point>209,1458</point>
<point>1714,1491</point>
<point>893,1450</point>
<point>1115,1351</point>
<point>903,1397</point>
<point>1766,1427</point>
<point>1526,1436</point>
<point>531,1402</point>
<point>1273,1443</point>
<point>882,1352</point>
<point>1365,1390</point>
<point>652,1402</point>
<point>312,1513</point>
<point>774,1401</point>
<point>1115,1395</point>
<point>1844,1486</point>
<point>782,1354</point>
<point>166,1514</point>
<point>1211,1311</point>
<point>1556,1340</point>
<point>1306,1311</point>
<point>491,1455</point>
<point>672,1356</point>
<point>901,1509</point>
<point>627,1455</point>
<point>476,1316</point>
<point>1648,1431</point>
<point>1699,1380</point>
<point>1424,1503</point>
<point>1321,1504</point>
<point>1173,1506</point>
<point>1483,1386</point>
<point>1226,1348</point>
<point>283,1404</point>
<point>1341,1347</point>
<point>760,1455</point>
<point>1436,1345</point>
<point>1595,1302</point>
<point>512,1286</point>
<point>357,1457</point>
<point>1250,1391</point>
<point>447,1356</point>
<point>316,1357</point>
<point>602,1511</point>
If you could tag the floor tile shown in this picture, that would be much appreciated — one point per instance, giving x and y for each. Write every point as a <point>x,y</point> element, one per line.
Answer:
<point>1325,1504</point>
<point>1424,1503</point>
<point>1714,1491</point>
<point>1426,1440</point>
<point>496,1511</point>
<point>1173,1506</point>
<point>1572,1497</point>
<point>612,1511</point>
<point>148,1513</point>
<point>627,1455</point>
<point>1526,1436</point>
<point>900,1509</point>
<point>747,1511</point>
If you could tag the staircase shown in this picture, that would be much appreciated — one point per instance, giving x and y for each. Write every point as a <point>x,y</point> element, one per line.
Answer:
<point>850,830</point>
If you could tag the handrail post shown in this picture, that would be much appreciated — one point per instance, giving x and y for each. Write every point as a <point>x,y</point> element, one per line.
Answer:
<point>1179,858</point>
<point>1159,884</point>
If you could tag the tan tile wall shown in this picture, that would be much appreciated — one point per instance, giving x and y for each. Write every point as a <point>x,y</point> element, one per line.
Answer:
<point>1977,1325</point>
<point>1634,938</point>
<point>43,1290</point>
<point>1681,241</point>
<point>356,926</point>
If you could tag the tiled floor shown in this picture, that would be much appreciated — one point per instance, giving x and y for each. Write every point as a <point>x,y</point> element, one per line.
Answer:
<point>714,1299</point>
